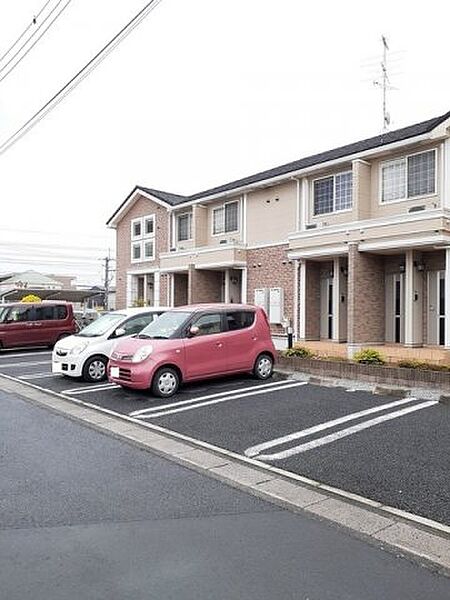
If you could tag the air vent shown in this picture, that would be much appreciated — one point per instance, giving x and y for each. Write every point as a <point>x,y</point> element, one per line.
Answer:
<point>223,241</point>
<point>418,208</point>
<point>311,226</point>
<point>173,249</point>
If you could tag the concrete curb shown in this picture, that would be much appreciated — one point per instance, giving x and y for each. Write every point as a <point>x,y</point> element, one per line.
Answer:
<point>422,540</point>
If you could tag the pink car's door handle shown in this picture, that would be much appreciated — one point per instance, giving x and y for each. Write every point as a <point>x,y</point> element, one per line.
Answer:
<point>219,344</point>
<point>254,338</point>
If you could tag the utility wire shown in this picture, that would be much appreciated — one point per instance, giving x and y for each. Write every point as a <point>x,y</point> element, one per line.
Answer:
<point>30,38</point>
<point>33,22</point>
<point>79,76</point>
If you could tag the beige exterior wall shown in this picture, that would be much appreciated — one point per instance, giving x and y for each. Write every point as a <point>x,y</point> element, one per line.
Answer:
<point>226,255</point>
<point>272,213</point>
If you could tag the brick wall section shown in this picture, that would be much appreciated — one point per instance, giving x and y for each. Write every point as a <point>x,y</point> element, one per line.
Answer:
<point>142,207</point>
<point>312,297</point>
<point>366,297</point>
<point>204,286</point>
<point>180,289</point>
<point>164,287</point>
<point>271,273</point>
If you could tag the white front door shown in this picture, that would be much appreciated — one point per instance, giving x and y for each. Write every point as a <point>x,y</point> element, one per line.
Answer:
<point>395,308</point>
<point>326,308</point>
<point>436,308</point>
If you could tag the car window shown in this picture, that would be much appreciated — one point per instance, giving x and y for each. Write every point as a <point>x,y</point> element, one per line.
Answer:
<point>20,314</point>
<point>137,323</point>
<point>60,312</point>
<point>208,324</point>
<point>239,319</point>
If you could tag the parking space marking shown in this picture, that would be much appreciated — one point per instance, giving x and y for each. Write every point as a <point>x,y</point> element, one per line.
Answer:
<point>20,354</point>
<point>24,364</point>
<point>255,450</point>
<point>164,413</point>
<point>328,439</point>
<point>91,389</point>
<point>38,375</point>
<point>138,413</point>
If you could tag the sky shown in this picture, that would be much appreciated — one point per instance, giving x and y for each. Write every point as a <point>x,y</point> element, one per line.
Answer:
<point>201,93</point>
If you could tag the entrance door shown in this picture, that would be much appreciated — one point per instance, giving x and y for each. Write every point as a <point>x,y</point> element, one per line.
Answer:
<point>395,308</point>
<point>436,308</point>
<point>326,308</point>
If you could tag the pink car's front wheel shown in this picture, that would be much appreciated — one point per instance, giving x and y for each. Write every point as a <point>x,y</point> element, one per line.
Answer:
<point>166,382</point>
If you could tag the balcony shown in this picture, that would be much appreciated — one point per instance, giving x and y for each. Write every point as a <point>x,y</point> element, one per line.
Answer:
<point>229,255</point>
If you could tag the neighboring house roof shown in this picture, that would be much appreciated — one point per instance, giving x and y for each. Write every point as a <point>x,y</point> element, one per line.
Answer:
<point>30,279</point>
<point>389,137</point>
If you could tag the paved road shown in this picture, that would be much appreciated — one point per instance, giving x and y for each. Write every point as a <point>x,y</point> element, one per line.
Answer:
<point>84,515</point>
<point>391,450</point>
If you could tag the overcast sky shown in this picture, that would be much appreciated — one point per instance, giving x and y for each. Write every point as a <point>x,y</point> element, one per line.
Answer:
<point>203,92</point>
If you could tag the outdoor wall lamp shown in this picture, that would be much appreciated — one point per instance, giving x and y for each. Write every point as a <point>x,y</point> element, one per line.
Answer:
<point>344,271</point>
<point>401,268</point>
<point>419,266</point>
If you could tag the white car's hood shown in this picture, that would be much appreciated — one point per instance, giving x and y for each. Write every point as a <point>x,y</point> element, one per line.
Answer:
<point>72,341</point>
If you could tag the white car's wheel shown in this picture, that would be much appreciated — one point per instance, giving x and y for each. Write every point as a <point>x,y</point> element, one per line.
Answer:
<point>94,369</point>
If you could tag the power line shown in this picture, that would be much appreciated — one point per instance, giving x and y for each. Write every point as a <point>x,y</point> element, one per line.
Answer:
<point>28,50</point>
<point>33,22</point>
<point>79,76</point>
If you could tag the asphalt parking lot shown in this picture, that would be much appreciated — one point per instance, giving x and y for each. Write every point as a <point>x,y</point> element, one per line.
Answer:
<point>393,450</point>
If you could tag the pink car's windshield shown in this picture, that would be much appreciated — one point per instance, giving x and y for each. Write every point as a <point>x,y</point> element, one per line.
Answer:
<point>165,326</point>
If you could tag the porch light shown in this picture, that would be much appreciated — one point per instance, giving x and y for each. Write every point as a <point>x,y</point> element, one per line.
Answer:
<point>419,266</point>
<point>401,268</point>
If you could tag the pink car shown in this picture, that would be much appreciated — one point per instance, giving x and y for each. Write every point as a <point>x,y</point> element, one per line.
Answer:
<point>194,342</point>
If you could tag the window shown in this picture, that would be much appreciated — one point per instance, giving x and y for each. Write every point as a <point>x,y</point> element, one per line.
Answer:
<point>149,225</point>
<point>137,324</point>
<point>184,227</point>
<point>149,247</point>
<point>50,313</point>
<point>226,218</point>
<point>208,324</point>
<point>408,177</point>
<point>143,238</point>
<point>19,314</point>
<point>239,319</point>
<point>136,228</point>
<point>333,194</point>
<point>136,251</point>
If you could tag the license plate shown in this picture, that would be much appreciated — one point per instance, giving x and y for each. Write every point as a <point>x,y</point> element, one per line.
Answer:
<point>56,367</point>
<point>114,372</point>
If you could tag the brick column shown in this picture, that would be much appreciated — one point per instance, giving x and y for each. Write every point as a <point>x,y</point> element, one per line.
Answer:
<point>366,299</point>
<point>204,285</point>
<point>309,302</point>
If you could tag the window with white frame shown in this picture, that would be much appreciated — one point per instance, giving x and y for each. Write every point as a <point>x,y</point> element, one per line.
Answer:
<point>333,193</point>
<point>184,227</point>
<point>143,238</point>
<point>409,177</point>
<point>226,218</point>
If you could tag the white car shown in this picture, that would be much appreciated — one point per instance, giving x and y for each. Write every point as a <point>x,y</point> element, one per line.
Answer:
<point>86,353</point>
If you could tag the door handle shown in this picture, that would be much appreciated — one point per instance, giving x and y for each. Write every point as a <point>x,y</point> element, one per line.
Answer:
<point>254,338</point>
<point>219,344</point>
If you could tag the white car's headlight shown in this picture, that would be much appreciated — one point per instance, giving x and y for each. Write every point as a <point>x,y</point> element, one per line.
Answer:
<point>78,349</point>
<point>142,354</point>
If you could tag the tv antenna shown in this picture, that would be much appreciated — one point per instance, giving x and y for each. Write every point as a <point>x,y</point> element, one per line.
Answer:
<point>384,83</point>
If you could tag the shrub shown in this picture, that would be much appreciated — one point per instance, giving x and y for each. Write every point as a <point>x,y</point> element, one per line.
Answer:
<point>422,365</point>
<point>31,298</point>
<point>369,356</point>
<point>300,352</point>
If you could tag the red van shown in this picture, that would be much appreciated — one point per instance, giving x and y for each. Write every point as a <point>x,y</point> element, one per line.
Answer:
<point>35,324</point>
<point>194,342</point>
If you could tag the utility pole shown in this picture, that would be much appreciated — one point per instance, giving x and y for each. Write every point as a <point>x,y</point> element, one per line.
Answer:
<point>107,280</point>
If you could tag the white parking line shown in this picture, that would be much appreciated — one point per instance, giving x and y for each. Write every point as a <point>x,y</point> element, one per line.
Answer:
<point>20,354</point>
<point>255,450</point>
<point>24,364</point>
<point>137,413</point>
<point>91,389</point>
<point>164,413</point>
<point>38,376</point>
<point>346,432</point>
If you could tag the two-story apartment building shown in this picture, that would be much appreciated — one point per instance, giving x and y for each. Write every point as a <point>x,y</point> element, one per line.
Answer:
<point>350,245</point>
